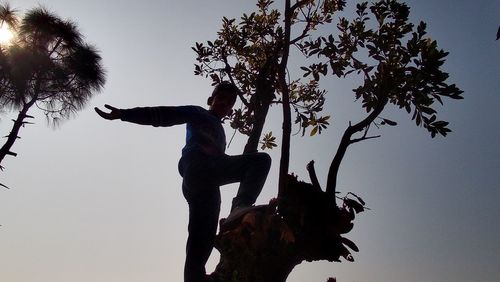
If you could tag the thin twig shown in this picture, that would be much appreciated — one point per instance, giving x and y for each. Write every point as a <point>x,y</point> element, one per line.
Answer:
<point>363,138</point>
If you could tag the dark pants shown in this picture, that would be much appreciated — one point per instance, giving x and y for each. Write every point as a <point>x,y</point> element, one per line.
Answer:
<point>202,177</point>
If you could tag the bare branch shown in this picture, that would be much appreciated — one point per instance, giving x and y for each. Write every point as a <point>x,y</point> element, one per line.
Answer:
<point>312,175</point>
<point>228,71</point>
<point>303,35</point>
<point>363,138</point>
<point>346,141</point>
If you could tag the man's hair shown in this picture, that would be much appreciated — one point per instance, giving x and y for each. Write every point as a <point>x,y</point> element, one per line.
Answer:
<point>226,87</point>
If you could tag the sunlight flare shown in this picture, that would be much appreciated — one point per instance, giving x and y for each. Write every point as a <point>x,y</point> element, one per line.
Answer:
<point>6,34</point>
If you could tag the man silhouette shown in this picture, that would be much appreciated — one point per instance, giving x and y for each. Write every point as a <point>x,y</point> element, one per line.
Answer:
<point>204,167</point>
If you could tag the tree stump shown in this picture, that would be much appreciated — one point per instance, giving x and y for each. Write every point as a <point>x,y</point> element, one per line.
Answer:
<point>268,242</point>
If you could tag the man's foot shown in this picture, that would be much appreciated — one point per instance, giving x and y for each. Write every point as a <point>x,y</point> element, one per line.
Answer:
<point>237,214</point>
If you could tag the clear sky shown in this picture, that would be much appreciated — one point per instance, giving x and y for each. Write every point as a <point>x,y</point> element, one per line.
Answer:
<point>100,201</point>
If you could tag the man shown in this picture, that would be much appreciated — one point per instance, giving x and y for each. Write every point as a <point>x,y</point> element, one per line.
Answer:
<point>204,167</point>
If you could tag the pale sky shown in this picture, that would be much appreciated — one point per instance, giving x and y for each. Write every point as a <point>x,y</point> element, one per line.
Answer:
<point>100,201</point>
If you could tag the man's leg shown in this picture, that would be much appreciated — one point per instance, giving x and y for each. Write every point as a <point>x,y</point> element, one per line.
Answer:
<point>202,228</point>
<point>249,169</point>
<point>204,206</point>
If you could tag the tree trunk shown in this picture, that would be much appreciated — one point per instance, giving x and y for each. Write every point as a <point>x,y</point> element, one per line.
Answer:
<point>14,133</point>
<point>260,119</point>
<point>264,95</point>
<point>269,241</point>
<point>287,116</point>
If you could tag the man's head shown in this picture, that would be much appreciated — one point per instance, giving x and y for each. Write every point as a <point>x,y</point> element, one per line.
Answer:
<point>223,98</point>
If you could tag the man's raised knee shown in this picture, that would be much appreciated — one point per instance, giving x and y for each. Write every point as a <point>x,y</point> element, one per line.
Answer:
<point>265,159</point>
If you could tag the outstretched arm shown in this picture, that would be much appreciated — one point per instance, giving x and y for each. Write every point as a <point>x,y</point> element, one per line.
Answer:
<point>155,116</point>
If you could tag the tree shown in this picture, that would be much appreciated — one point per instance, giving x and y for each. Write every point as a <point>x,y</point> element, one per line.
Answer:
<point>397,65</point>
<point>48,66</point>
<point>254,54</point>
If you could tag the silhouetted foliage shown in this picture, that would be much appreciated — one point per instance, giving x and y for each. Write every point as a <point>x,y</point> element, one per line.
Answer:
<point>403,67</point>
<point>397,64</point>
<point>250,52</point>
<point>47,65</point>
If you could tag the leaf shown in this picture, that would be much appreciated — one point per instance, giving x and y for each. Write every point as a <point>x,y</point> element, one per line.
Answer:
<point>390,122</point>
<point>269,141</point>
<point>314,131</point>
<point>360,200</point>
<point>358,197</point>
<point>421,28</point>
<point>316,76</point>
<point>349,243</point>
<point>348,228</point>
<point>215,78</point>
<point>345,253</point>
<point>427,110</point>
<point>354,205</point>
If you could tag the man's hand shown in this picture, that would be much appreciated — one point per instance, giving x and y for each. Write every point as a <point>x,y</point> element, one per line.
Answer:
<point>114,114</point>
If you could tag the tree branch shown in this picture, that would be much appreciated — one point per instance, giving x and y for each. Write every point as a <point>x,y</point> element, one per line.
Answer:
<point>59,41</point>
<point>302,36</point>
<point>228,71</point>
<point>363,138</point>
<point>312,175</point>
<point>13,136</point>
<point>287,124</point>
<point>297,5</point>
<point>307,21</point>
<point>346,141</point>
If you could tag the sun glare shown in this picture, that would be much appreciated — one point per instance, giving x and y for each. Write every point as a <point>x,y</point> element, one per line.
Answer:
<point>6,34</point>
